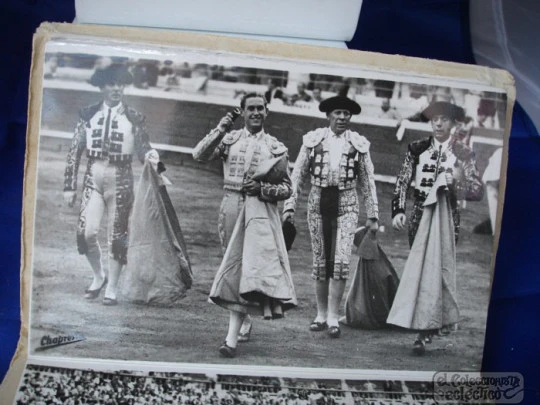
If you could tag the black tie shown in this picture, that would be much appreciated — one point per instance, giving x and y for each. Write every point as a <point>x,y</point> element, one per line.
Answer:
<point>438,163</point>
<point>106,141</point>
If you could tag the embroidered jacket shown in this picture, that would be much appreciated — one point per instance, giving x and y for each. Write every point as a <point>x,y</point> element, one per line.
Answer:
<point>424,161</point>
<point>354,166</point>
<point>241,153</point>
<point>114,138</point>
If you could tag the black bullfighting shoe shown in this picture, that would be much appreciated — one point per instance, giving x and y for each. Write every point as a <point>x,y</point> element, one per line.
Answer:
<point>419,347</point>
<point>227,351</point>
<point>334,331</point>
<point>110,302</point>
<point>93,294</point>
<point>316,326</point>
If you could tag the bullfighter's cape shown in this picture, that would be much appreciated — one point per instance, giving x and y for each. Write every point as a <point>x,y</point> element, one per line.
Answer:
<point>426,296</point>
<point>158,270</point>
<point>373,286</point>
<point>256,265</point>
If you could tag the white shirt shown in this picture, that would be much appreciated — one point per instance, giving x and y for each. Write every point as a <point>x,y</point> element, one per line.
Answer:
<point>114,110</point>
<point>442,145</point>
<point>335,143</point>
<point>252,143</point>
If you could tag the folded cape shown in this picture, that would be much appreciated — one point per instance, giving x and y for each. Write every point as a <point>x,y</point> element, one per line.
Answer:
<point>158,270</point>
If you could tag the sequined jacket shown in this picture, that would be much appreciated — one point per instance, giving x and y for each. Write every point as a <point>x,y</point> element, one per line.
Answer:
<point>241,155</point>
<point>127,135</point>
<point>355,167</point>
<point>424,162</point>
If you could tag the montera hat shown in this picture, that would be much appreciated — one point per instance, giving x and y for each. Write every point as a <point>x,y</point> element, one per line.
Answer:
<point>339,103</point>
<point>114,73</point>
<point>443,108</point>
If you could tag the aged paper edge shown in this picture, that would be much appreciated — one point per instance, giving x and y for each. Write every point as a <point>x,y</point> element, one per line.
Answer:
<point>397,64</point>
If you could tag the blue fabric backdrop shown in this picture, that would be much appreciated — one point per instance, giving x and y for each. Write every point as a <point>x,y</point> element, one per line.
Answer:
<point>426,28</point>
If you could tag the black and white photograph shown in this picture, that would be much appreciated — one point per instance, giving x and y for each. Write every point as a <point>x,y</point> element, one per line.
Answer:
<point>66,385</point>
<point>203,207</point>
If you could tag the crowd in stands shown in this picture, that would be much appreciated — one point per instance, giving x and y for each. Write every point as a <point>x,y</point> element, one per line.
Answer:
<point>379,98</point>
<point>64,386</point>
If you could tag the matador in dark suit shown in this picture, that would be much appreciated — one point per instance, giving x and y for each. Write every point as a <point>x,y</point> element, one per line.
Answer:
<point>444,173</point>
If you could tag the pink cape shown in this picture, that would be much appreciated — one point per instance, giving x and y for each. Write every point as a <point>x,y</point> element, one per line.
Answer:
<point>426,296</point>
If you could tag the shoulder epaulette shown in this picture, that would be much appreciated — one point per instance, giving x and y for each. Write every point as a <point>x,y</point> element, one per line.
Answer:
<point>360,143</point>
<point>232,137</point>
<point>133,115</point>
<point>417,147</point>
<point>276,147</point>
<point>313,138</point>
<point>86,113</point>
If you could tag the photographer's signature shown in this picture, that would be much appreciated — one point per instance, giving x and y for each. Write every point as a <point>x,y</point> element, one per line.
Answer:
<point>49,341</point>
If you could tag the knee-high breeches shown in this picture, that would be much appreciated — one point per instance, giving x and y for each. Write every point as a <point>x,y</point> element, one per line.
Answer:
<point>107,188</point>
<point>332,221</point>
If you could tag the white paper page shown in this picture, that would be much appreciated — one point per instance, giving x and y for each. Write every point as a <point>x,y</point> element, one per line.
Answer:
<point>330,20</point>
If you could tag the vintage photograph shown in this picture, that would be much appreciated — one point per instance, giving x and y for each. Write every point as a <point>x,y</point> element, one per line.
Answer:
<point>204,207</point>
<point>62,385</point>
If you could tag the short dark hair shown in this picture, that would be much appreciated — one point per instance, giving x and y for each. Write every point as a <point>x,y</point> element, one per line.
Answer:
<point>252,95</point>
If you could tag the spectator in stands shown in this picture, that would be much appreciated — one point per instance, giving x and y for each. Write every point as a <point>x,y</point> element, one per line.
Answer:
<point>145,73</point>
<point>387,111</point>
<point>274,92</point>
<point>169,72</point>
<point>140,76</point>
<point>444,171</point>
<point>152,72</point>
<point>333,203</point>
<point>487,112</point>
<point>301,95</point>
<point>111,132</point>
<point>244,152</point>
<point>368,89</point>
<point>342,87</point>
<point>185,71</point>
<point>442,94</point>
<point>317,95</point>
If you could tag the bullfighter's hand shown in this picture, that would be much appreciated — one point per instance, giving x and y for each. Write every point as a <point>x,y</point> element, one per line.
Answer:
<point>398,222</point>
<point>69,198</point>
<point>252,187</point>
<point>288,216</point>
<point>372,224</point>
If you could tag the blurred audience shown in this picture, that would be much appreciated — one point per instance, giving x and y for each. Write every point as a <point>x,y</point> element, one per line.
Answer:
<point>63,386</point>
<point>301,94</point>
<point>274,92</point>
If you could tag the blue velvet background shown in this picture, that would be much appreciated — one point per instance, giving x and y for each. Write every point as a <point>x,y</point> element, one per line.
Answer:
<point>435,29</point>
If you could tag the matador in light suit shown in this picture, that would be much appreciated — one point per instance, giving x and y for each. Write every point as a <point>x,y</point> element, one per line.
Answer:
<point>336,159</point>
